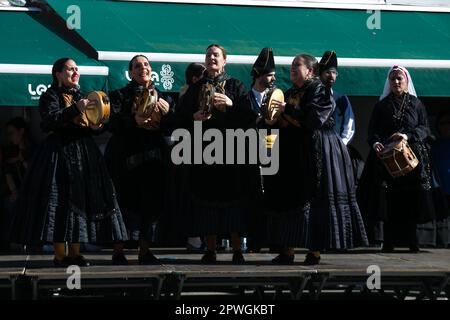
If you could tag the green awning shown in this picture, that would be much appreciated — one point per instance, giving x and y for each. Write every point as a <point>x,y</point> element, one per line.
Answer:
<point>28,52</point>
<point>175,34</point>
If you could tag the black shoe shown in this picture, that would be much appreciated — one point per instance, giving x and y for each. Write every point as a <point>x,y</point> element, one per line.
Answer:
<point>238,258</point>
<point>283,258</point>
<point>311,259</point>
<point>414,249</point>
<point>119,259</point>
<point>80,261</point>
<point>209,257</point>
<point>64,263</point>
<point>148,259</point>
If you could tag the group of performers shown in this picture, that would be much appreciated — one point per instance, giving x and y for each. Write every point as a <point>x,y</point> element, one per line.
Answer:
<point>74,194</point>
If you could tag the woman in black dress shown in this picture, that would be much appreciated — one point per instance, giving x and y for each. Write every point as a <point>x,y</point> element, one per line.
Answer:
<point>403,202</point>
<point>321,212</point>
<point>136,158</point>
<point>217,198</point>
<point>67,195</point>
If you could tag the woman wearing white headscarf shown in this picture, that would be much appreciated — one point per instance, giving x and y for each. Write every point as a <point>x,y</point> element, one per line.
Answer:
<point>400,203</point>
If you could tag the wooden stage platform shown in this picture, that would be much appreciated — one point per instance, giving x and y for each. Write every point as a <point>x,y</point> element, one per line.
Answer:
<point>423,275</point>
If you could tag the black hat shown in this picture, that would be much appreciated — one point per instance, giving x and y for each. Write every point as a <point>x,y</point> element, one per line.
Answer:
<point>264,63</point>
<point>328,61</point>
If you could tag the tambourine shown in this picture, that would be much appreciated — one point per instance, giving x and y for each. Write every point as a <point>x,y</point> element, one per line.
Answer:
<point>269,109</point>
<point>99,113</point>
<point>147,101</point>
<point>146,105</point>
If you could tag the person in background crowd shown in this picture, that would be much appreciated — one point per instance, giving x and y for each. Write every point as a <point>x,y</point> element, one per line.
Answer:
<point>437,232</point>
<point>253,117</point>
<point>343,113</point>
<point>194,72</point>
<point>18,155</point>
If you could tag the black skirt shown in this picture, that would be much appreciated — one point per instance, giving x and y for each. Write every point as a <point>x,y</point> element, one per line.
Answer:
<point>285,228</point>
<point>213,220</point>
<point>410,199</point>
<point>67,196</point>
<point>330,217</point>
<point>137,167</point>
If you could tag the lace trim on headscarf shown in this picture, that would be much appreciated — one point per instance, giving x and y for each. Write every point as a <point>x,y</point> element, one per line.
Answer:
<point>387,87</point>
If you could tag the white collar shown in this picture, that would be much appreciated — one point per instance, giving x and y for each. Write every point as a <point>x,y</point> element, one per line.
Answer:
<point>259,95</point>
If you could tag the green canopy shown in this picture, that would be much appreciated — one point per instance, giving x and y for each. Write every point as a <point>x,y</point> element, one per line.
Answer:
<point>28,52</point>
<point>174,34</point>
